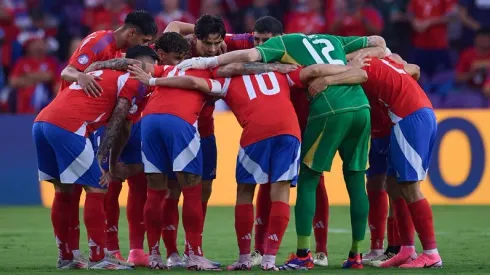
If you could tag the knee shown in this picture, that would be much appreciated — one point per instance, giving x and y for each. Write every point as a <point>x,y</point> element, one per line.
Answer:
<point>89,190</point>
<point>188,179</point>
<point>280,191</point>
<point>63,188</point>
<point>157,181</point>
<point>411,192</point>
<point>376,182</point>
<point>245,193</point>
<point>175,190</point>
<point>207,188</point>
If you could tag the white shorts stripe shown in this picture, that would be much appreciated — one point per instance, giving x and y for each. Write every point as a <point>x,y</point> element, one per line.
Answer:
<point>80,165</point>
<point>44,176</point>
<point>252,167</point>
<point>410,154</point>
<point>188,154</point>
<point>149,167</point>
<point>292,170</point>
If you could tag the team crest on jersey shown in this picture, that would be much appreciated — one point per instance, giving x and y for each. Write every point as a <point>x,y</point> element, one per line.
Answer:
<point>83,59</point>
<point>134,106</point>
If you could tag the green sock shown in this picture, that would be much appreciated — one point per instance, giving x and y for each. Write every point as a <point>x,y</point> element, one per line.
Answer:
<point>359,206</point>
<point>305,205</point>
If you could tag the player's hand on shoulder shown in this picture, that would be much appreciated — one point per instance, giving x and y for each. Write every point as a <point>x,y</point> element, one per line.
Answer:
<point>89,84</point>
<point>286,68</point>
<point>317,86</point>
<point>198,63</point>
<point>138,73</point>
<point>359,61</point>
<point>223,48</point>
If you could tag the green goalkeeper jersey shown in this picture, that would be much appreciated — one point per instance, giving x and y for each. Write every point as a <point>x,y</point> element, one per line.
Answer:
<point>305,50</point>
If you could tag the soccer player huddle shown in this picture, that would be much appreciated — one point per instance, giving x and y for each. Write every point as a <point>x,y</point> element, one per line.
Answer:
<point>142,114</point>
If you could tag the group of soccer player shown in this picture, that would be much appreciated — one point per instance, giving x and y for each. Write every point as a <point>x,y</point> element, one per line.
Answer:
<point>142,114</point>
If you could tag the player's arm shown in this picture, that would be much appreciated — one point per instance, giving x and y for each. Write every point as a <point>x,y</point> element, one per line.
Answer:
<point>248,68</point>
<point>180,27</point>
<point>350,77</point>
<point>86,81</point>
<point>309,73</point>
<point>120,141</point>
<point>413,70</point>
<point>378,52</point>
<point>118,64</point>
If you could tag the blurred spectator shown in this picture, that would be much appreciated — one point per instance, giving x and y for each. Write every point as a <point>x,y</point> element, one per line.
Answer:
<point>172,12</point>
<point>213,7</point>
<point>431,47</point>
<point>33,77</point>
<point>9,32</point>
<point>106,16</point>
<point>306,18</point>
<point>355,17</point>
<point>486,88</point>
<point>474,63</point>
<point>474,15</point>
<point>258,9</point>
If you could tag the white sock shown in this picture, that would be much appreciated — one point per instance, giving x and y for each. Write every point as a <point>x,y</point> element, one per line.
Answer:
<point>269,259</point>
<point>245,258</point>
<point>76,253</point>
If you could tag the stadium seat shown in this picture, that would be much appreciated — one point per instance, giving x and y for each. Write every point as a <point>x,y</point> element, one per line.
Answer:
<point>465,98</point>
<point>443,82</point>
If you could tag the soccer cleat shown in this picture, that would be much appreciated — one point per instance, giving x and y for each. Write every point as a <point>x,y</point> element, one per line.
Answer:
<point>216,264</point>
<point>76,263</point>
<point>117,254</point>
<point>269,267</point>
<point>174,260</point>
<point>120,260</point>
<point>199,263</point>
<point>425,261</point>
<point>381,258</point>
<point>320,259</point>
<point>256,258</point>
<point>109,263</point>
<point>138,257</point>
<point>240,265</point>
<point>298,263</point>
<point>373,253</point>
<point>155,262</point>
<point>354,263</point>
<point>405,256</point>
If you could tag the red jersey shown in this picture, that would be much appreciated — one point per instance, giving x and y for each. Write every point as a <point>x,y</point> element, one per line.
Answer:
<point>465,64</point>
<point>72,110</point>
<point>164,18</point>
<point>27,65</point>
<point>380,120</point>
<point>98,46</point>
<point>389,83</point>
<point>233,42</point>
<point>435,37</point>
<point>305,22</point>
<point>186,104</point>
<point>301,104</point>
<point>352,25</point>
<point>102,18</point>
<point>262,105</point>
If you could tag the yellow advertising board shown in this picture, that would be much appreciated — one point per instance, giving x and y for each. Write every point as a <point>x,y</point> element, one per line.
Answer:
<point>457,175</point>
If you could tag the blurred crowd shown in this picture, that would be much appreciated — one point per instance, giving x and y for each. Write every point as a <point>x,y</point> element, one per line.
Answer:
<point>448,39</point>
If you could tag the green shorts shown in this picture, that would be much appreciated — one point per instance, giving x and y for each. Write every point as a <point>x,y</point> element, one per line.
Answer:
<point>347,132</point>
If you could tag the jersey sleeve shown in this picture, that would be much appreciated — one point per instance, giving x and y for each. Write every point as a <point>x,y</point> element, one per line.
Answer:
<point>294,79</point>
<point>158,71</point>
<point>239,41</point>
<point>128,87</point>
<point>272,50</point>
<point>352,43</point>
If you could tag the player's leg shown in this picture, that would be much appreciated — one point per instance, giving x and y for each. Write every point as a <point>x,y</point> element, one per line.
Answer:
<point>262,211</point>
<point>74,231</point>
<point>354,154</point>
<point>415,137</point>
<point>171,222</point>
<point>156,160</point>
<point>377,196</point>
<point>137,186</point>
<point>320,224</point>
<point>283,171</point>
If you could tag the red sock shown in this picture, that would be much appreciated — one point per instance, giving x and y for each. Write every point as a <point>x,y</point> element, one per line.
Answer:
<point>74,232</point>
<point>60,218</point>
<point>204,209</point>
<point>391,231</point>
<point>422,220</point>
<point>94,218</point>
<point>153,213</point>
<point>378,212</point>
<point>170,226</point>
<point>320,220</point>
<point>396,233</point>
<point>278,223</point>
<point>134,211</point>
<point>244,223</point>
<point>112,213</point>
<point>404,222</point>
<point>262,212</point>
<point>192,218</point>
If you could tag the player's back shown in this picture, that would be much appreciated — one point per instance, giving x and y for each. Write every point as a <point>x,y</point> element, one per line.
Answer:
<point>262,106</point>
<point>74,111</point>
<point>183,103</point>
<point>389,83</point>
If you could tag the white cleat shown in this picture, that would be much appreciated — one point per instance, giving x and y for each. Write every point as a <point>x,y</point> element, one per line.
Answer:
<point>240,265</point>
<point>371,255</point>
<point>199,263</point>
<point>78,262</point>
<point>155,262</point>
<point>269,267</point>
<point>174,260</point>
<point>256,258</point>
<point>320,259</point>
<point>109,263</point>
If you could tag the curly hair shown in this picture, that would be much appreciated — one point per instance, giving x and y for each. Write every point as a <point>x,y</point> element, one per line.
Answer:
<point>209,24</point>
<point>172,42</point>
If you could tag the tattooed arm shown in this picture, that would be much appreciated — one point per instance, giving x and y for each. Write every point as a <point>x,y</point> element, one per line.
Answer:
<point>118,64</point>
<point>119,143</point>
<point>114,128</point>
<point>376,41</point>
<point>253,68</point>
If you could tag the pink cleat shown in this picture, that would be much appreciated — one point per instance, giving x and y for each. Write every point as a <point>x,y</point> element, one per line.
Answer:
<point>425,261</point>
<point>138,257</point>
<point>405,256</point>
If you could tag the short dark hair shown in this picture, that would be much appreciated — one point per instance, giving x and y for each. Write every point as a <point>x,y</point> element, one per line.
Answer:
<point>209,24</point>
<point>172,42</point>
<point>483,31</point>
<point>268,24</point>
<point>143,22</point>
<point>141,51</point>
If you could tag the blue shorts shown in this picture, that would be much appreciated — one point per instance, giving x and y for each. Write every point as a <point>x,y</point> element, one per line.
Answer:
<point>131,153</point>
<point>170,144</point>
<point>65,156</point>
<point>270,160</point>
<point>378,156</point>
<point>412,140</point>
<point>210,157</point>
